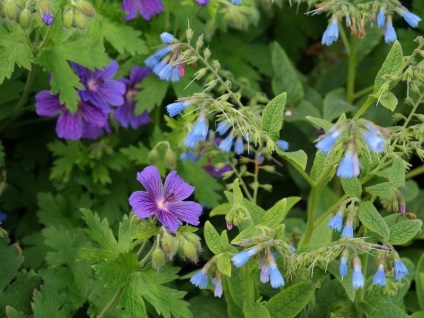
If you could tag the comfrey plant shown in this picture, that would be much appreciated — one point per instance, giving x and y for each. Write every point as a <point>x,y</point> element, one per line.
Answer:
<point>149,170</point>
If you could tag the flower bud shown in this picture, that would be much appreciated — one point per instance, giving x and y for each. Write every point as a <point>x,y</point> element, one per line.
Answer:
<point>169,244</point>
<point>45,6</point>
<point>80,21</point>
<point>153,156</point>
<point>190,251</point>
<point>170,159</point>
<point>10,10</point>
<point>25,19</point>
<point>194,239</point>
<point>87,8</point>
<point>158,258</point>
<point>68,18</point>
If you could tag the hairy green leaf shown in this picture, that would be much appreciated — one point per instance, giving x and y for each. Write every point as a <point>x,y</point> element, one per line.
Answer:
<point>352,187</point>
<point>272,116</point>
<point>403,232</point>
<point>213,239</point>
<point>370,217</point>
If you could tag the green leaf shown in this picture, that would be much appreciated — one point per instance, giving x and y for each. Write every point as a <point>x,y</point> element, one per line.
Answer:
<point>213,239</point>
<point>129,229</point>
<point>370,217</point>
<point>136,153</point>
<point>419,281</point>
<point>123,38</point>
<point>208,307</point>
<point>272,116</point>
<point>382,190</point>
<point>255,310</point>
<point>389,101</point>
<point>14,50</point>
<point>299,157</point>
<point>152,93</point>
<point>224,264</point>
<point>68,153</point>
<point>397,173</point>
<point>285,77</point>
<point>275,215</point>
<point>346,282</point>
<point>247,233</point>
<point>322,123</point>
<point>392,66</point>
<point>255,211</point>
<point>352,187</point>
<point>166,301</point>
<point>377,307</point>
<point>85,49</point>
<point>132,301</point>
<point>335,104</point>
<point>290,301</point>
<point>221,209</point>
<point>403,232</point>
<point>13,313</point>
<point>49,303</point>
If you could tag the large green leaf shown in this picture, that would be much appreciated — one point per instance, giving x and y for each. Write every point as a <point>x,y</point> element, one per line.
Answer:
<point>272,116</point>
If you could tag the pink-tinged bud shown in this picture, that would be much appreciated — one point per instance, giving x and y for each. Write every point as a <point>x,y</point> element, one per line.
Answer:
<point>229,226</point>
<point>87,9</point>
<point>181,70</point>
<point>402,207</point>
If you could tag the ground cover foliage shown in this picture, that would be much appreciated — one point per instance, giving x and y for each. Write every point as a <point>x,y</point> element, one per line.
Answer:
<point>204,158</point>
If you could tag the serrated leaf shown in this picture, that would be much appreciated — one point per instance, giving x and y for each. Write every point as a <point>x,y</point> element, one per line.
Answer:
<point>403,232</point>
<point>129,229</point>
<point>132,301</point>
<point>392,66</point>
<point>123,38</point>
<point>49,303</point>
<point>118,273</point>
<point>213,239</point>
<point>382,190</point>
<point>14,50</point>
<point>370,217</point>
<point>255,310</point>
<point>272,116</point>
<point>324,124</point>
<point>352,187</point>
<point>221,209</point>
<point>290,301</point>
<point>388,100</point>
<point>285,77</point>
<point>224,264</point>
<point>335,104</point>
<point>299,157</point>
<point>152,93</point>
<point>382,308</point>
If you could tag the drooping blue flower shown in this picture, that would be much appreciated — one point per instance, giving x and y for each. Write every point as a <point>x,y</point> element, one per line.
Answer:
<point>147,8</point>
<point>264,277</point>
<point>175,108</point>
<point>241,258</point>
<point>357,277</point>
<point>189,155</point>
<point>336,222</point>
<point>226,143</point>
<point>167,71</point>
<point>198,132</point>
<point>236,2</point>
<point>381,18</point>
<point>374,142</point>
<point>200,279</point>
<point>283,144</point>
<point>411,18</point>
<point>400,270</point>
<point>223,127</point>
<point>167,38</point>
<point>125,114</point>
<point>331,34</point>
<point>389,33</point>
<point>349,166</point>
<point>100,89</point>
<point>239,146</point>
<point>275,277</point>
<point>347,231</point>
<point>165,201</point>
<point>326,143</point>
<point>218,287</point>
<point>380,276</point>
<point>343,266</point>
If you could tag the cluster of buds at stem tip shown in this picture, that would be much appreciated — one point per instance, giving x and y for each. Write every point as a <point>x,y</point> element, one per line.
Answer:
<point>185,243</point>
<point>77,13</point>
<point>395,203</point>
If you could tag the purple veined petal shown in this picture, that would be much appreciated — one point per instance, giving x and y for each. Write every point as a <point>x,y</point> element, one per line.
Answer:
<point>113,92</point>
<point>151,180</point>
<point>109,71</point>
<point>169,220</point>
<point>47,18</point>
<point>131,7</point>
<point>175,188</point>
<point>47,104</point>
<point>92,114</point>
<point>125,116</point>
<point>80,70</point>
<point>149,8</point>
<point>138,73</point>
<point>188,211</point>
<point>142,204</point>
<point>69,126</point>
<point>90,131</point>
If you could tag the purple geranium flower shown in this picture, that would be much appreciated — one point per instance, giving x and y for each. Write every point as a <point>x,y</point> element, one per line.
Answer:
<point>147,8</point>
<point>47,18</point>
<point>100,89</point>
<point>125,114</point>
<point>203,2</point>
<point>87,122</point>
<point>165,200</point>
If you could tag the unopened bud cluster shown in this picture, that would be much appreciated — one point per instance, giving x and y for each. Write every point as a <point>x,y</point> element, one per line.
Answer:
<point>184,243</point>
<point>77,14</point>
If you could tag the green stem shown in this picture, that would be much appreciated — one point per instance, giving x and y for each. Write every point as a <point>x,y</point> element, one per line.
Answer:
<point>250,287</point>
<point>360,296</point>
<point>345,41</point>
<point>46,36</point>
<point>27,89</point>
<point>415,172</point>
<point>364,91</point>
<point>351,72</point>
<point>242,184</point>
<point>256,182</point>
<point>112,303</point>
<point>364,107</point>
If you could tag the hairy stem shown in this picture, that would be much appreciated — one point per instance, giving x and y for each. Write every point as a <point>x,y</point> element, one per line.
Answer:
<point>351,72</point>
<point>112,303</point>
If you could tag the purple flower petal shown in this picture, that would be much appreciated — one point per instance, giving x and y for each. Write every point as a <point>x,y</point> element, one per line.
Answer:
<point>149,8</point>
<point>176,187</point>
<point>92,115</point>
<point>151,180</point>
<point>47,104</point>
<point>69,126</point>
<point>188,211</point>
<point>109,71</point>
<point>138,73</point>
<point>169,220</point>
<point>142,204</point>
